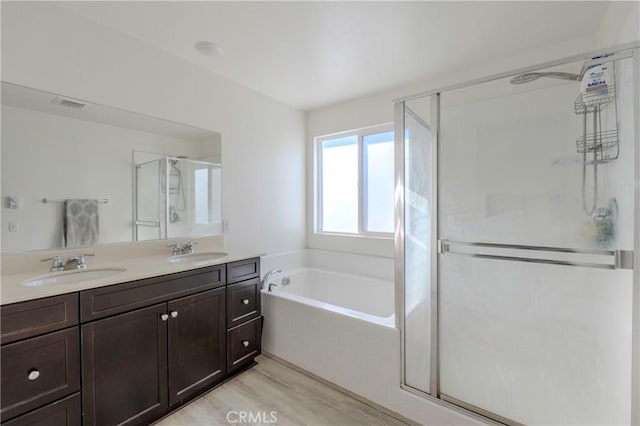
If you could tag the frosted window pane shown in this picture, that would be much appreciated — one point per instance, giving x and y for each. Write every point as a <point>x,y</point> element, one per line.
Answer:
<point>340,184</point>
<point>378,173</point>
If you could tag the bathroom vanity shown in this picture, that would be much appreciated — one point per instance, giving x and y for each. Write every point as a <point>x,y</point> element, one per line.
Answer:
<point>128,352</point>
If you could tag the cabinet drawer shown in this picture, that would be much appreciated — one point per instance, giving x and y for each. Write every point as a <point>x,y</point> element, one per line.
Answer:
<point>106,301</point>
<point>28,319</point>
<point>243,270</point>
<point>243,344</point>
<point>38,371</point>
<point>65,412</point>
<point>243,302</point>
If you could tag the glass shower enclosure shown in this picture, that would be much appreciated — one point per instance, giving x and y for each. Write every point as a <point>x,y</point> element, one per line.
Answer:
<point>517,222</point>
<point>177,197</point>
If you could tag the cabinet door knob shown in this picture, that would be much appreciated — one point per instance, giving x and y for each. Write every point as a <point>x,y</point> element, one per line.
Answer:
<point>33,374</point>
<point>245,301</point>
<point>164,317</point>
<point>174,314</point>
<point>245,343</point>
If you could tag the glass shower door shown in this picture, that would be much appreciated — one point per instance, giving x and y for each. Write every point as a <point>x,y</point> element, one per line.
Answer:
<point>193,198</point>
<point>417,245</point>
<point>149,201</point>
<point>535,303</point>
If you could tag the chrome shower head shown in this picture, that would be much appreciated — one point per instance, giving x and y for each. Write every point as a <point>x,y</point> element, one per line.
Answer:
<point>531,76</point>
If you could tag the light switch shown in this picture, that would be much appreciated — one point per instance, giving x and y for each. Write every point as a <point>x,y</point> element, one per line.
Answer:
<point>12,202</point>
<point>13,226</point>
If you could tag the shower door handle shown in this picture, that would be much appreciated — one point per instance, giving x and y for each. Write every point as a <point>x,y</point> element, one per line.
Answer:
<point>623,259</point>
<point>601,259</point>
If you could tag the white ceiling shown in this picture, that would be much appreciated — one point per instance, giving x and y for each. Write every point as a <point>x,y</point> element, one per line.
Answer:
<point>311,54</point>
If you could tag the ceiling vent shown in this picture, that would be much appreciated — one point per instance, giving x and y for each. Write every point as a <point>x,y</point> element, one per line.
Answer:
<point>69,103</point>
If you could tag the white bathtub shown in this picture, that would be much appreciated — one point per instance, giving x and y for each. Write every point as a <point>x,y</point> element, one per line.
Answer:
<point>355,296</point>
<point>336,321</point>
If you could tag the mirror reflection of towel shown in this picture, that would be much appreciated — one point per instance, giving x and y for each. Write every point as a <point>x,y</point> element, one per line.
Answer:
<point>80,223</point>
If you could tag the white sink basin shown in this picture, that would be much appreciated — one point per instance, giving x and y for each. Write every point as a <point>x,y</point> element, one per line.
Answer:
<point>70,277</point>
<point>196,257</point>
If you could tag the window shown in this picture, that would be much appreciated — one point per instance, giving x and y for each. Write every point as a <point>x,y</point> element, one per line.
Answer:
<point>201,195</point>
<point>355,185</point>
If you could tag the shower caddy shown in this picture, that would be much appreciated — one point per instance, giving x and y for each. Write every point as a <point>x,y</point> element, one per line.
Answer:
<point>599,146</point>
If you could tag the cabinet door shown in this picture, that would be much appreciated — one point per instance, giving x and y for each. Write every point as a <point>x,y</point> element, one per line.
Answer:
<point>124,368</point>
<point>197,345</point>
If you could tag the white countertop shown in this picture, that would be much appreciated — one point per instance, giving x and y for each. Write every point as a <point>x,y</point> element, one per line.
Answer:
<point>136,268</point>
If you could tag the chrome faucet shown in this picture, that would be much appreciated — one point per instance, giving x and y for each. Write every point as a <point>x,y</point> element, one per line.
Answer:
<point>56,265</point>
<point>265,279</point>
<point>77,262</point>
<point>186,248</point>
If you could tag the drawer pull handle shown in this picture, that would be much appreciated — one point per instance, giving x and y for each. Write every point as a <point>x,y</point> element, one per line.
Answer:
<point>174,314</point>
<point>245,301</point>
<point>245,343</point>
<point>33,374</point>
<point>164,317</point>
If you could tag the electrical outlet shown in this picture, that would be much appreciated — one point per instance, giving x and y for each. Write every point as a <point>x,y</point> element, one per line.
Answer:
<point>13,226</point>
<point>225,225</point>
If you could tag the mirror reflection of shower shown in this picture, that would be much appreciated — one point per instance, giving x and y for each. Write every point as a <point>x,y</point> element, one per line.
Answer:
<point>176,196</point>
<point>599,142</point>
<point>177,202</point>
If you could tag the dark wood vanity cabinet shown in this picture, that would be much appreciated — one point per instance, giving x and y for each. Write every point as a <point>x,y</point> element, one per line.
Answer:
<point>41,364</point>
<point>136,365</point>
<point>127,354</point>
<point>244,320</point>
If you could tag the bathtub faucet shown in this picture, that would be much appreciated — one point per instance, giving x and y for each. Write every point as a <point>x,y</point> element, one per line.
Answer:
<point>265,279</point>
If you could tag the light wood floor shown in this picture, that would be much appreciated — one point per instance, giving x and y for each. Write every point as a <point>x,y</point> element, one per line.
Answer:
<point>296,399</point>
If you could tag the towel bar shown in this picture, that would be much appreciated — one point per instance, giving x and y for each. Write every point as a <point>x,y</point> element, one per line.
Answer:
<point>46,200</point>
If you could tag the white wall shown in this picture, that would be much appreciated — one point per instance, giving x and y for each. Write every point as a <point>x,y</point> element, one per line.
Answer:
<point>49,48</point>
<point>57,157</point>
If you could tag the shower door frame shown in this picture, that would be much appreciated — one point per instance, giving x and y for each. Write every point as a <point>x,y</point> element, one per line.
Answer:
<point>621,51</point>
<point>136,167</point>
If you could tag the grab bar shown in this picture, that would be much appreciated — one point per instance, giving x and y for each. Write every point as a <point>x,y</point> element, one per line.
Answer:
<point>602,259</point>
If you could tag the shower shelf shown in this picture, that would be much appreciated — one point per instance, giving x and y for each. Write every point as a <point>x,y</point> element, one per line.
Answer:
<point>601,143</point>
<point>584,104</point>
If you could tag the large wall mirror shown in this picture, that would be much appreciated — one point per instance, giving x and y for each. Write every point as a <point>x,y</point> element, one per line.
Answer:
<point>76,173</point>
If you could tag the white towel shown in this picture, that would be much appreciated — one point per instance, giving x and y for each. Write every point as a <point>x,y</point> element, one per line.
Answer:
<point>80,223</point>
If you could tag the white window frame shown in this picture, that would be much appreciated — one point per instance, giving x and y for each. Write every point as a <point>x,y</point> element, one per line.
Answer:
<point>362,192</point>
